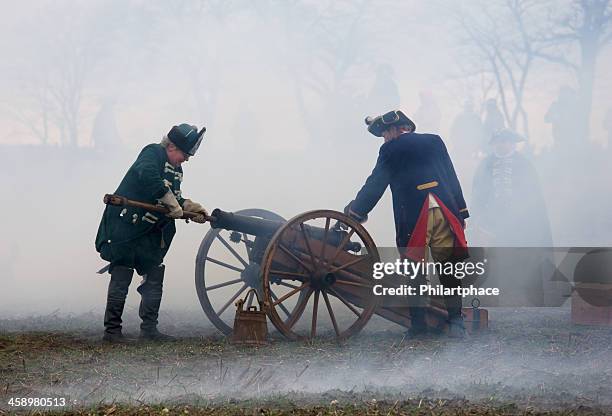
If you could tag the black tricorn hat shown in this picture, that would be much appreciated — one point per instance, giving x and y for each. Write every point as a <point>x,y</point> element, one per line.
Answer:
<point>186,137</point>
<point>506,135</point>
<point>376,125</point>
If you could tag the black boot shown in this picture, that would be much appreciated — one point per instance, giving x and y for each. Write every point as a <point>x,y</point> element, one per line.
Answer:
<point>120,280</point>
<point>151,290</point>
<point>418,326</point>
<point>456,328</point>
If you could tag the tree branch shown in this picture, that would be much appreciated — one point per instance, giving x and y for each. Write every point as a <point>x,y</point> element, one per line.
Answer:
<point>556,59</point>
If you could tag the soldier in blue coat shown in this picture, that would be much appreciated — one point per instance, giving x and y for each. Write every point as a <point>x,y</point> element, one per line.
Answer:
<point>136,239</point>
<point>425,191</point>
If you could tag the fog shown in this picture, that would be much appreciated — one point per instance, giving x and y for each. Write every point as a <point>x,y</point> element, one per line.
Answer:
<point>541,365</point>
<point>283,88</point>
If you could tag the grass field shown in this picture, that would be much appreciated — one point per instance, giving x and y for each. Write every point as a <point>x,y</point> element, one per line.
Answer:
<point>529,362</point>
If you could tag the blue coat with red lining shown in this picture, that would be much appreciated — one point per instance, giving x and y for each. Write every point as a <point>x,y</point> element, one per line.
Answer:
<point>413,165</point>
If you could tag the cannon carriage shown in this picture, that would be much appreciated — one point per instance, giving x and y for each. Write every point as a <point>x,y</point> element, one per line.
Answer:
<point>317,258</point>
<point>312,268</point>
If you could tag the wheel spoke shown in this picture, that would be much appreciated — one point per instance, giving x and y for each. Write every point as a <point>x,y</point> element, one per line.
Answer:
<point>345,240</point>
<point>351,283</point>
<point>285,273</point>
<point>286,285</point>
<point>346,303</point>
<point>307,242</point>
<point>324,242</point>
<point>331,313</point>
<point>299,310</point>
<point>228,283</point>
<point>229,302</point>
<point>222,263</point>
<point>354,277</point>
<point>280,305</point>
<point>250,297</point>
<point>294,257</point>
<point>349,264</point>
<point>231,249</point>
<point>315,307</point>
<point>288,295</point>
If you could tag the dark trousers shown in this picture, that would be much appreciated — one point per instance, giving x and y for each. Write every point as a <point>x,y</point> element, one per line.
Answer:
<point>151,293</point>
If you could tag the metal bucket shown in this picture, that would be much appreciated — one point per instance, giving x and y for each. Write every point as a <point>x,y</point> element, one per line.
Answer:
<point>250,325</point>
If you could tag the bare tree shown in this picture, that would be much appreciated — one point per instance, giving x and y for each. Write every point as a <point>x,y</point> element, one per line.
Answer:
<point>325,45</point>
<point>575,38</point>
<point>35,111</point>
<point>505,53</point>
<point>197,49</point>
<point>52,67</point>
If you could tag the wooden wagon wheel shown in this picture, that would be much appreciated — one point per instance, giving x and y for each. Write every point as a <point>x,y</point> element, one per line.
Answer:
<point>311,252</point>
<point>242,275</point>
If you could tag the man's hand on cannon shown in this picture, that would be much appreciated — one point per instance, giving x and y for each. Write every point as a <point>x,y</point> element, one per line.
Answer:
<point>191,206</point>
<point>170,202</point>
<point>360,218</point>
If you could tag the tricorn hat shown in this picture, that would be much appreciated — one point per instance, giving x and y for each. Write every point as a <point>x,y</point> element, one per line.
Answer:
<point>506,135</point>
<point>376,125</point>
<point>186,137</point>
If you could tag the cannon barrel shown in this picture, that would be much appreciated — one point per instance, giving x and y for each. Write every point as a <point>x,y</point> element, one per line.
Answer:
<point>334,237</point>
<point>266,228</point>
<point>244,223</point>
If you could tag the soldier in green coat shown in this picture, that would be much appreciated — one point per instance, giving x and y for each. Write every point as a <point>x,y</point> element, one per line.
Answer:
<point>134,238</point>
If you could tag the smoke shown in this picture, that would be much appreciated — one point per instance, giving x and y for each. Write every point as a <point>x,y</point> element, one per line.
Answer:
<point>283,91</point>
<point>530,362</point>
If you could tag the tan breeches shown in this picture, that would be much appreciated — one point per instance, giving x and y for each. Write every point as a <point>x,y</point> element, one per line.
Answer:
<point>440,237</point>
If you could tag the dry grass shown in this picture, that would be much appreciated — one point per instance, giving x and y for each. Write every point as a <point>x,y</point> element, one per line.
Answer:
<point>519,367</point>
<point>418,407</point>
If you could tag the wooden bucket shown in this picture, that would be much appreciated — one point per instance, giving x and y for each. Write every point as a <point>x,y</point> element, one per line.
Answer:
<point>250,324</point>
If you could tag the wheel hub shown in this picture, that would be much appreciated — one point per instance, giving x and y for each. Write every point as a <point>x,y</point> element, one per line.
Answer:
<point>251,275</point>
<point>322,281</point>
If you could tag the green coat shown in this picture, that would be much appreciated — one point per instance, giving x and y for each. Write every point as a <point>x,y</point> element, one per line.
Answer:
<point>135,237</point>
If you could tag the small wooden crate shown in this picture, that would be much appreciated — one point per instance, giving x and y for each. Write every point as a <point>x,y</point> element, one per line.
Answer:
<point>592,304</point>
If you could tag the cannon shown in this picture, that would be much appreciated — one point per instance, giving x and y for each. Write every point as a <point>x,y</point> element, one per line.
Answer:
<point>320,258</point>
<point>317,254</point>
